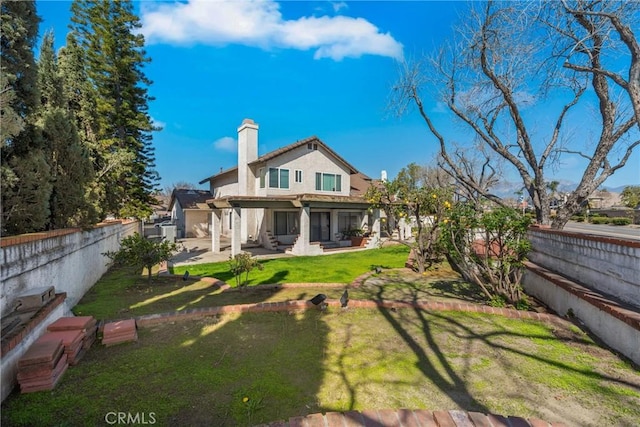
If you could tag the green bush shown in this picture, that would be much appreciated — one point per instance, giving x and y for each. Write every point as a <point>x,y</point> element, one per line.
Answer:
<point>600,220</point>
<point>498,301</point>
<point>523,304</point>
<point>620,220</point>
<point>577,218</point>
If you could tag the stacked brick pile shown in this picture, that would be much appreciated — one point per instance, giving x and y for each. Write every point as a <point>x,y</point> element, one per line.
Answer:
<point>72,342</point>
<point>42,366</point>
<point>119,332</point>
<point>84,324</point>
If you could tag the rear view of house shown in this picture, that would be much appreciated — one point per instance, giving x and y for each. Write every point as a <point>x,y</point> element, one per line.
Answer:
<point>302,197</point>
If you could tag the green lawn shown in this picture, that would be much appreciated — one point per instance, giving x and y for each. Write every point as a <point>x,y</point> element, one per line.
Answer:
<point>337,268</point>
<point>252,368</point>
<point>121,293</point>
<point>199,372</point>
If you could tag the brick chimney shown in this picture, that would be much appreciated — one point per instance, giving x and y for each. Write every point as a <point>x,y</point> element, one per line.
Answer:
<point>247,153</point>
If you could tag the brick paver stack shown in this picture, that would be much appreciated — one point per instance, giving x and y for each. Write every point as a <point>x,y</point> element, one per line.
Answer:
<point>119,332</point>
<point>42,366</point>
<point>84,324</point>
<point>72,342</point>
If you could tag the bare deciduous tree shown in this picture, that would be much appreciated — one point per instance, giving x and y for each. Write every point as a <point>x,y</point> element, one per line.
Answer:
<point>520,77</point>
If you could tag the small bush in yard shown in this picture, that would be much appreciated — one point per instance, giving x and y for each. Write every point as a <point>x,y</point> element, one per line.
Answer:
<point>138,251</point>
<point>243,263</point>
<point>620,220</point>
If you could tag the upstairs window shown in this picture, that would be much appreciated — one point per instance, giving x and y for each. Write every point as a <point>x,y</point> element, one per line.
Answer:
<point>298,176</point>
<point>328,182</point>
<point>311,146</point>
<point>278,178</point>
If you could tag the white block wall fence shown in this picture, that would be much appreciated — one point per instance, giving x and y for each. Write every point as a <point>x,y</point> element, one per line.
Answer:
<point>594,278</point>
<point>70,260</point>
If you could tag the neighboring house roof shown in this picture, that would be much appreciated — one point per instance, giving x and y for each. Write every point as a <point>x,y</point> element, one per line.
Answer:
<point>286,149</point>
<point>190,199</point>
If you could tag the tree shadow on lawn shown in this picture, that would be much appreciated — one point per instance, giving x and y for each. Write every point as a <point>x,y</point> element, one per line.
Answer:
<point>238,369</point>
<point>257,377</point>
<point>400,288</point>
<point>277,277</point>
<point>436,365</point>
<point>455,387</point>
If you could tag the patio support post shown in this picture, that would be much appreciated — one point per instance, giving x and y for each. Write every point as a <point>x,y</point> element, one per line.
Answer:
<point>215,230</point>
<point>305,228</point>
<point>375,227</point>
<point>236,232</point>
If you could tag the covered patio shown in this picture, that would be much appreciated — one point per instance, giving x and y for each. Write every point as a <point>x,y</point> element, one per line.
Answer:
<point>314,218</point>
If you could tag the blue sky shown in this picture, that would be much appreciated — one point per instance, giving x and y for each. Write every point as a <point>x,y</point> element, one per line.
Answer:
<point>298,68</point>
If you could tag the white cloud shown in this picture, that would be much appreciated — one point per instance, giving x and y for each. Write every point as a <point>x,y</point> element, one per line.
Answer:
<point>226,143</point>
<point>338,6</point>
<point>260,24</point>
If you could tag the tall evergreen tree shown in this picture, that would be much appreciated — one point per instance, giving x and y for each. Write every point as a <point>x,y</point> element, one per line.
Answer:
<point>25,183</point>
<point>71,169</point>
<point>114,58</point>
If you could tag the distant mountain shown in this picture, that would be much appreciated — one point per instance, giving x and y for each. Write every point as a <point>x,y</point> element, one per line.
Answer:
<point>508,189</point>
<point>616,189</point>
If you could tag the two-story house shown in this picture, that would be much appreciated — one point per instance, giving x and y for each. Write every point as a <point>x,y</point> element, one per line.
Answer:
<point>303,196</point>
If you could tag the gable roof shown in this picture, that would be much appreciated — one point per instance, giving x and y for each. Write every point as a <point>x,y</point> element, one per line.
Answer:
<point>190,199</point>
<point>275,153</point>
<point>360,183</point>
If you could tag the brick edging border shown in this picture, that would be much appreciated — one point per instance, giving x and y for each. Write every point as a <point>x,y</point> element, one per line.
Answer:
<point>300,305</point>
<point>410,418</point>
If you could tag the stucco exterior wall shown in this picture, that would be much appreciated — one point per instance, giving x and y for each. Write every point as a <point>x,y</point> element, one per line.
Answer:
<point>309,162</point>
<point>606,264</point>
<point>226,185</point>
<point>71,263</point>
<point>177,216</point>
<point>196,222</point>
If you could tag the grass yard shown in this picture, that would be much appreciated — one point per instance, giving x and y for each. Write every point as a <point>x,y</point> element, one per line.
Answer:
<point>200,372</point>
<point>121,293</point>
<point>337,268</point>
<point>252,368</point>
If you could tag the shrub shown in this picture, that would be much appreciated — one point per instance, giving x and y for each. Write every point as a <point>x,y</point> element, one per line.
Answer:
<point>488,249</point>
<point>137,251</point>
<point>600,220</point>
<point>498,301</point>
<point>620,220</point>
<point>243,263</point>
<point>577,218</point>
<point>523,304</point>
